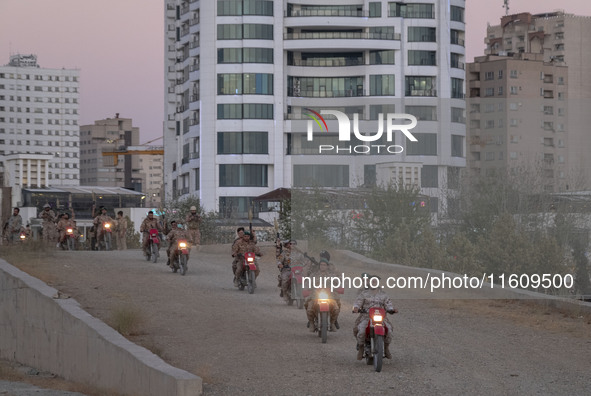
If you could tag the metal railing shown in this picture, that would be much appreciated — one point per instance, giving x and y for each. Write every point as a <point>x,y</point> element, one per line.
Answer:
<point>341,36</point>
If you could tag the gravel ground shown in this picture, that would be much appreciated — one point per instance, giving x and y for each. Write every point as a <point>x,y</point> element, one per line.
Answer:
<point>256,344</point>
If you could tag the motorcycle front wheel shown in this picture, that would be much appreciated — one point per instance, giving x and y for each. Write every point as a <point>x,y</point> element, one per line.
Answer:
<point>378,354</point>
<point>183,264</point>
<point>250,277</point>
<point>323,331</point>
<point>70,243</point>
<point>154,252</point>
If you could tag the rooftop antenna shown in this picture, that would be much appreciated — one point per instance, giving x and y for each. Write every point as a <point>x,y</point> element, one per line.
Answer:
<point>506,7</point>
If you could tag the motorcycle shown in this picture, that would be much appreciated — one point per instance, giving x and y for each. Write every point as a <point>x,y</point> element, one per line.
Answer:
<point>153,242</point>
<point>70,239</point>
<point>322,312</point>
<point>181,255</point>
<point>248,277</point>
<point>107,237</point>
<point>22,237</point>
<point>295,280</point>
<point>375,333</point>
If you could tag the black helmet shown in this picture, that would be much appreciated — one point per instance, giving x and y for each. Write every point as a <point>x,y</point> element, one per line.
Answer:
<point>325,255</point>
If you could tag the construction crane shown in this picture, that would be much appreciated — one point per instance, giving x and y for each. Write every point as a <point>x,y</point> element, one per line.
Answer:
<point>132,150</point>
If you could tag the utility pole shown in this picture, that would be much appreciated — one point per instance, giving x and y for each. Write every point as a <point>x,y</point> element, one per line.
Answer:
<point>506,7</point>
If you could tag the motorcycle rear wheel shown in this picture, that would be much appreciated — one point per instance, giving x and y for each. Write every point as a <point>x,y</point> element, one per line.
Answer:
<point>378,355</point>
<point>323,331</point>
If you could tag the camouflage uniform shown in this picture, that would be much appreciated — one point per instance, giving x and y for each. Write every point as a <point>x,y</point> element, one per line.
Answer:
<point>286,259</point>
<point>239,248</point>
<point>145,228</point>
<point>15,223</point>
<point>49,230</point>
<point>99,222</point>
<point>371,299</point>
<point>173,237</point>
<point>311,304</point>
<point>121,234</point>
<point>62,226</point>
<point>192,221</point>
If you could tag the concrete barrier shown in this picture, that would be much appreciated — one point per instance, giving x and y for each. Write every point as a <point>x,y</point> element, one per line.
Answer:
<point>58,336</point>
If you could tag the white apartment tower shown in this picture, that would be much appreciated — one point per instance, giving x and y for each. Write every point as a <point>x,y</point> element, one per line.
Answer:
<point>39,123</point>
<point>243,78</point>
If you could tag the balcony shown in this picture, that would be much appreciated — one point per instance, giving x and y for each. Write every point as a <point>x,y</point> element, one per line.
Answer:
<point>327,62</point>
<point>458,65</point>
<point>194,98</point>
<point>327,13</point>
<point>193,68</point>
<point>341,36</point>
<point>193,22</point>
<point>548,94</point>
<point>295,92</point>
<point>194,155</point>
<point>459,42</point>
<point>421,92</point>
<point>193,122</point>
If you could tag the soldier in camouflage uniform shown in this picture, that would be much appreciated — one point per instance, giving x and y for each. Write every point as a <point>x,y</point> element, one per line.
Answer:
<point>239,249</point>
<point>49,218</point>
<point>288,257</point>
<point>149,223</point>
<point>99,224</point>
<point>311,304</point>
<point>372,298</point>
<point>62,227</point>
<point>15,223</point>
<point>176,232</point>
<point>193,220</point>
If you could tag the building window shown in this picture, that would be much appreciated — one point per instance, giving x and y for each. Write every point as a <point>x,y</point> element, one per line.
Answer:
<point>321,176</point>
<point>245,111</point>
<point>422,34</point>
<point>243,175</point>
<point>245,55</point>
<point>245,7</point>
<point>457,14</point>
<point>455,61</point>
<point>489,75</point>
<point>385,57</point>
<point>456,37</point>
<point>243,143</point>
<point>513,74</point>
<point>245,84</point>
<point>381,85</point>
<point>245,31</point>
<point>375,10</point>
<point>423,58</point>
<point>426,144</point>
<point>429,176</point>
<point>457,146</point>
<point>458,115</point>
<point>411,10</point>
<point>457,88</point>
<point>423,113</point>
<point>420,86</point>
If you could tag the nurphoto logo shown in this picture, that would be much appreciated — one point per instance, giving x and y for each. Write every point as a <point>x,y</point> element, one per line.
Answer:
<point>345,132</point>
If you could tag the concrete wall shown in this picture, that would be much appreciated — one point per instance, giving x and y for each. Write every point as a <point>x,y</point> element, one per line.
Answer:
<point>58,336</point>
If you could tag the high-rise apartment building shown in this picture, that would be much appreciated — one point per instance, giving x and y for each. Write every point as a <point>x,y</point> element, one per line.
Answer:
<point>243,77</point>
<point>547,61</point>
<point>38,124</point>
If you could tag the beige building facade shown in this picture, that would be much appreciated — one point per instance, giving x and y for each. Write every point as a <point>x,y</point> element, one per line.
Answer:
<point>558,38</point>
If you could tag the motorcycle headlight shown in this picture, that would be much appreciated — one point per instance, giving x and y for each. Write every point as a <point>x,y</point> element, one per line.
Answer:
<point>107,225</point>
<point>69,230</point>
<point>323,295</point>
<point>377,318</point>
<point>23,236</point>
<point>183,244</point>
<point>250,259</point>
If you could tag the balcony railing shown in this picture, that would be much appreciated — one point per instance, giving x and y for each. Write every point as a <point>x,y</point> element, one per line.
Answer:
<point>194,155</point>
<point>193,22</point>
<point>330,13</point>
<point>341,36</point>
<point>325,93</point>
<point>193,68</point>
<point>194,98</point>
<point>459,42</point>
<point>421,92</point>
<point>193,44</point>
<point>327,62</point>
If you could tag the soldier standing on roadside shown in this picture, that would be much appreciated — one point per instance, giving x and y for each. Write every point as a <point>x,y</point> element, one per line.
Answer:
<point>121,235</point>
<point>49,218</point>
<point>193,221</point>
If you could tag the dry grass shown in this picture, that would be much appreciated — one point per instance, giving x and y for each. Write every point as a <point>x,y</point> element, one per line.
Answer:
<point>31,258</point>
<point>127,320</point>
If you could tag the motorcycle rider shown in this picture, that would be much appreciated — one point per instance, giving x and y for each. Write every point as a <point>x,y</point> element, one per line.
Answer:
<point>239,249</point>
<point>374,297</point>
<point>311,304</point>
<point>62,227</point>
<point>99,222</point>
<point>193,220</point>
<point>176,232</point>
<point>149,223</point>
<point>15,223</point>
<point>49,218</point>
<point>290,256</point>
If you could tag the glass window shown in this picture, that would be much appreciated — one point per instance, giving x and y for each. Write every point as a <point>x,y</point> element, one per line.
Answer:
<point>420,86</point>
<point>411,10</point>
<point>245,7</point>
<point>427,58</point>
<point>423,113</point>
<point>426,144</point>
<point>231,111</point>
<point>457,14</point>
<point>375,10</point>
<point>376,110</point>
<point>243,175</point>
<point>246,31</point>
<point>457,146</point>
<point>455,61</point>
<point>458,115</point>
<point>429,176</point>
<point>457,88</point>
<point>456,37</point>
<point>321,176</point>
<point>243,143</point>
<point>381,85</point>
<point>421,34</point>
<point>385,57</point>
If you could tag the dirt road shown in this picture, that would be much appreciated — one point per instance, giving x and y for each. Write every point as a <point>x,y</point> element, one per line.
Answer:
<point>256,344</point>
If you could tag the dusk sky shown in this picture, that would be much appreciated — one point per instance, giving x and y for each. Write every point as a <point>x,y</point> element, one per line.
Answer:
<point>118,47</point>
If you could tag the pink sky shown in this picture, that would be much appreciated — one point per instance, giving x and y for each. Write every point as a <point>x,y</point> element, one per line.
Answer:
<point>118,47</point>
